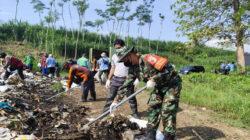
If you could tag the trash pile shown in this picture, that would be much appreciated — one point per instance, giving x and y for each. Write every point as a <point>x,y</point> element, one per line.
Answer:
<point>25,115</point>
<point>112,128</point>
<point>22,111</point>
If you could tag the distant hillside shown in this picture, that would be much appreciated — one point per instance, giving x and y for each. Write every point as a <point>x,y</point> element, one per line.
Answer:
<point>34,36</point>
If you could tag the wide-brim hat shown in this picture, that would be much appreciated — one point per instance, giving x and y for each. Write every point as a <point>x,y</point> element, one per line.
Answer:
<point>124,52</point>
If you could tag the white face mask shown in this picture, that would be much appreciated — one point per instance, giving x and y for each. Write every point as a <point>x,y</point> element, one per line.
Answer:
<point>118,50</point>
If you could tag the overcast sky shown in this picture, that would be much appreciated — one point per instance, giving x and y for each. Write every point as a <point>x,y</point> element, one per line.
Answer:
<point>26,13</point>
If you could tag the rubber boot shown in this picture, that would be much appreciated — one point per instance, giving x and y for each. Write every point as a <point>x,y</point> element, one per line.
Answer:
<point>168,136</point>
<point>150,135</point>
<point>136,115</point>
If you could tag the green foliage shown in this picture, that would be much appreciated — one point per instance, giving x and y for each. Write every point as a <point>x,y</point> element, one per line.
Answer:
<point>228,95</point>
<point>178,53</point>
<point>57,87</point>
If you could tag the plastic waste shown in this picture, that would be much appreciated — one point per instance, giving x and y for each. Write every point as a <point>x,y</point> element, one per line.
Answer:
<point>5,105</point>
<point>26,137</point>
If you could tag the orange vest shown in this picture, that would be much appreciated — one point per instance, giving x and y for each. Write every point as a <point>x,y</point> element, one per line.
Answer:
<point>157,62</point>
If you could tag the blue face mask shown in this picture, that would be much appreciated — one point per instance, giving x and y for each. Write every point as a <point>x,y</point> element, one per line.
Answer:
<point>118,50</point>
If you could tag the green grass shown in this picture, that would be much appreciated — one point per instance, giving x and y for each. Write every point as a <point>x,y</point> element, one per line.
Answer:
<point>227,95</point>
<point>57,87</point>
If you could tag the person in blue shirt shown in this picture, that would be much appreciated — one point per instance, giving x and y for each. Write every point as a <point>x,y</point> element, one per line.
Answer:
<point>232,66</point>
<point>227,68</point>
<point>222,66</point>
<point>103,67</point>
<point>51,63</point>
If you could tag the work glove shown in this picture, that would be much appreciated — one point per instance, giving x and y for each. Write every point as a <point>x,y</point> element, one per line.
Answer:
<point>150,84</point>
<point>107,84</point>
<point>8,69</point>
<point>67,89</point>
<point>136,82</point>
<point>113,107</point>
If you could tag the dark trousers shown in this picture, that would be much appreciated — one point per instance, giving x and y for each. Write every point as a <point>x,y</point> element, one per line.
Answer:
<point>52,71</point>
<point>30,66</point>
<point>57,72</point>
<point>19,70</point>
<point>86,86</point>
<point>106,72</point>
<point>113,93</point>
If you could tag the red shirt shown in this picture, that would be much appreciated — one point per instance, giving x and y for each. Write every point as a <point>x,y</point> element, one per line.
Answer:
<point>43,61</point>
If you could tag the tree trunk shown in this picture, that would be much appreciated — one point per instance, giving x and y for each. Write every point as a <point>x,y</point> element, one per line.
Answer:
<point>100,38</point>
<point>78,36</point>
<point>241,59</point>
<point>110,36</point>
<point>128,33</point>
<point>159,38</point>
<point>71,20</point>
<point>138,35</point>
<point>15,32</point>
<point>46,45</point>
<point>65,38</point>
<point>239,38</point>
<point>149,47</point>
<point>41,37</point>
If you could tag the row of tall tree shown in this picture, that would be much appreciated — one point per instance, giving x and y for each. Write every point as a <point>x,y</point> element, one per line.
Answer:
<point>116,13</point>
<point>200,20</point>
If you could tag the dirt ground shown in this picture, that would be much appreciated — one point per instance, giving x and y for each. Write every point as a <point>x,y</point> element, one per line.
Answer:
<point>193,123</point>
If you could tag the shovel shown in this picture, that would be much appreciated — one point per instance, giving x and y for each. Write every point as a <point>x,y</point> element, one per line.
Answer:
<point>86,126</point>
<point>56,95</point>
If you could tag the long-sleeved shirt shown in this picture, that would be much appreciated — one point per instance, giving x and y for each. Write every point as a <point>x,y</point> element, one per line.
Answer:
<point>77,71</point>
<point>11,61</point>
<point>163,78</point>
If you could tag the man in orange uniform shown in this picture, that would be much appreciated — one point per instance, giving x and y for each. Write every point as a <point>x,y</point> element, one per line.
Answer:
<point>83,76</point>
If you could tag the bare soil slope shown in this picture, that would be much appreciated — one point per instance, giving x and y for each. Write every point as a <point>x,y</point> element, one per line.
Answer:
<point>192,122</point>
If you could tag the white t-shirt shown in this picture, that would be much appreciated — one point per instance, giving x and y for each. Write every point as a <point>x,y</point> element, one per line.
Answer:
<point>120,69</point>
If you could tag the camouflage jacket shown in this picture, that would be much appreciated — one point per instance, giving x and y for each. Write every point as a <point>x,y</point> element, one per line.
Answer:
<point>144,71</point>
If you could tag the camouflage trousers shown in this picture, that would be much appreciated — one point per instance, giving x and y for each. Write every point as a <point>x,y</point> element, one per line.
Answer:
<point>163,103</point>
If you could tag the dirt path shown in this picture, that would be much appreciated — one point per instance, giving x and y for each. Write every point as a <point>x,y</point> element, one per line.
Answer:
<point>193,123</point>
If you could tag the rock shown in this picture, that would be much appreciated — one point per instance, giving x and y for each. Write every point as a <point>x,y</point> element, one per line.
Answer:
<point>130,135</point>
<point>54,109</point>
<point>65,115</point>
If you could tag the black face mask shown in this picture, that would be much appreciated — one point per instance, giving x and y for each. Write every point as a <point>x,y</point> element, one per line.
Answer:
<point>128,64</point>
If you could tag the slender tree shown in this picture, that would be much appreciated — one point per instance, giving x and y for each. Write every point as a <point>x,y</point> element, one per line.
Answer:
<point>54,20</point>
<point>81,6</point>
<point>39,7</point>
<point>61,4</point>
<point>15,21</point>
<point>106,17</point>
<point>203,20</point>
<point>49,20</point>
<point>162,17</point>
<point>98,24</point>
<point>70,15</point>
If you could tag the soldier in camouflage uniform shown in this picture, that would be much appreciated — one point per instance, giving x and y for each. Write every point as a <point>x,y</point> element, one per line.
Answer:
<point>164,99</point>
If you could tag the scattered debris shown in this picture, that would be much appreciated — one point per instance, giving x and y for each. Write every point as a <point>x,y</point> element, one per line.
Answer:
<point>23,114</point>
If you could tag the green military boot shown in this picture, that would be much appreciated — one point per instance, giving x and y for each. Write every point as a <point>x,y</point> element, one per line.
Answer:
<point>150,135</point>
